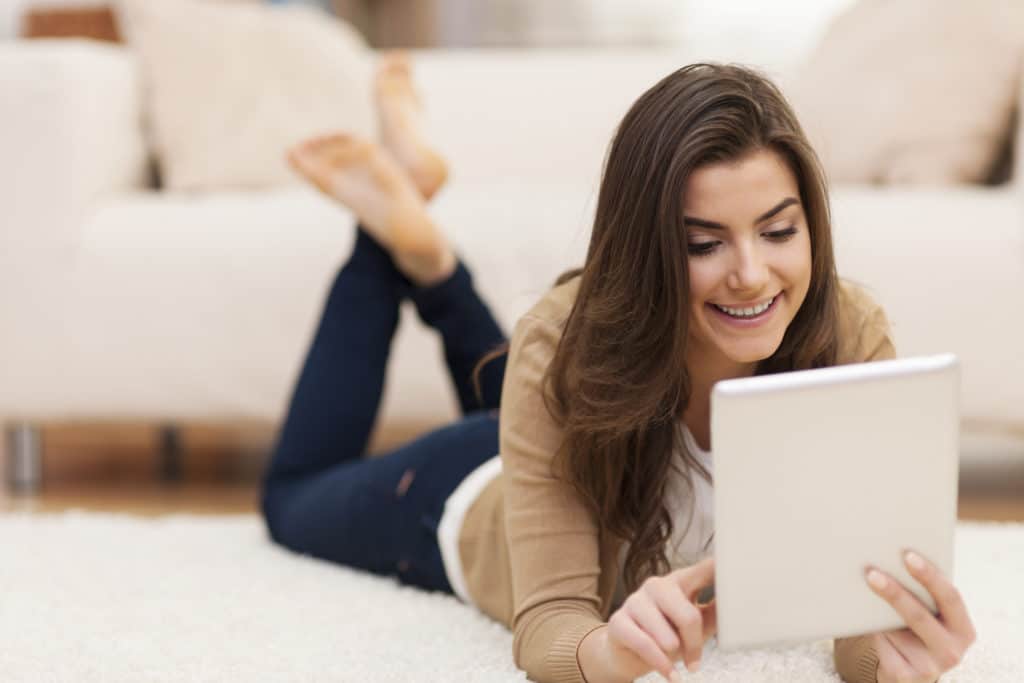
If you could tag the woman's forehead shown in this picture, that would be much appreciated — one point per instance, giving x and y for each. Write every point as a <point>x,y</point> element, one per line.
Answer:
<point>741,189</point>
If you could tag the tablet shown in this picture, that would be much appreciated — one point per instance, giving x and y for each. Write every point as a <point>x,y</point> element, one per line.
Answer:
<point>818,473</point>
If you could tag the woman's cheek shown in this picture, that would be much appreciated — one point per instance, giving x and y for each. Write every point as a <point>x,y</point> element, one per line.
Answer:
<point>796,263</point>
<point>701,281</point>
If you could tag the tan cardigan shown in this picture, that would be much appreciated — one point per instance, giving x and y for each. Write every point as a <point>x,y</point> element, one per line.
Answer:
<point>533,557</point>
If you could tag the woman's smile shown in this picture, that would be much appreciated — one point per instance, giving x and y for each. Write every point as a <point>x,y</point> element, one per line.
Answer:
<point>747,315</point>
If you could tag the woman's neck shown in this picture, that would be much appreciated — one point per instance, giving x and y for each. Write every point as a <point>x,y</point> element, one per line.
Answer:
<point>705,370</point>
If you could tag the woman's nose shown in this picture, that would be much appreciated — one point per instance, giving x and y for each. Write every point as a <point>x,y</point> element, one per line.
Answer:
<point>750,271</point>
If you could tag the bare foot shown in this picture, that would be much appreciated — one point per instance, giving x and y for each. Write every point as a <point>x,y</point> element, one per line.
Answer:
<point>367,180</point>
<point>399,110</point>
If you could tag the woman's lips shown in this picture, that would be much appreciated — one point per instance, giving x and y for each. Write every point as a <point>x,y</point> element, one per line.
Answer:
<point>753,321</point>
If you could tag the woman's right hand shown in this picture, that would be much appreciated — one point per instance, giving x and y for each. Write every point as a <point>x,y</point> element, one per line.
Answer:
<point>661,620</point>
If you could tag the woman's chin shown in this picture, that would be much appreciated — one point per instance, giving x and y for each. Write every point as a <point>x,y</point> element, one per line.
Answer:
<point>750,353</point>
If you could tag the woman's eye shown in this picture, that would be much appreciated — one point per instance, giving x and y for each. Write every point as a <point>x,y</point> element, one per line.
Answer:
<point>701,248</point>
<point>781,235</point>
<point>706,248</point>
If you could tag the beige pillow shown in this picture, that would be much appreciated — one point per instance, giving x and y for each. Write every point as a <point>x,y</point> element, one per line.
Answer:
<point>229,87</point>
<point>913,91</point>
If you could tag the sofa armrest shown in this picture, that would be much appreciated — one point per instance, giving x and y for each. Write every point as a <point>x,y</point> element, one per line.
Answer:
<point>71,133</point>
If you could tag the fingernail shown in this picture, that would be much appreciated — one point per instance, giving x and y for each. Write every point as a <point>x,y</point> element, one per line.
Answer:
<point>674,677</point>
<point>876,579</point>
<point>914,560</point>
<point>694,665</point>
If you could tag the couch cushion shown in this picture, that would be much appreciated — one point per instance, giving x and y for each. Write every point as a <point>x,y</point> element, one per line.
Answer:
<point>229,87</point>
<point>913,91</point>
<point>504,114</point>
<point>167,287</point>
<point>947,264</point>
<point>163,289</point>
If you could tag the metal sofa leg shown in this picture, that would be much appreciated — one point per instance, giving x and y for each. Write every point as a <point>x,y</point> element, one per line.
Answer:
<point>172,454</point>
<point>24,458</point>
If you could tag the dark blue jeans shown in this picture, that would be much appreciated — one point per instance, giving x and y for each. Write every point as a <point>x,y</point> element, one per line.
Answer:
<point>320,495</point>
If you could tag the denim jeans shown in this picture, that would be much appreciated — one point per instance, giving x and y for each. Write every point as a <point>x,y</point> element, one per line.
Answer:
<point>321,496</point>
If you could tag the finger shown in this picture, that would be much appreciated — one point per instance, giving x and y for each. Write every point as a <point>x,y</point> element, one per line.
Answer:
<point>892,667</point>
<point>311,143</point>
<point>951,605</point>
<point>918,618</point>
<point>686,618</point>
<point>629,634</point>
<point>916,654</point>
<point>694,578</point>
<point>642,607</point>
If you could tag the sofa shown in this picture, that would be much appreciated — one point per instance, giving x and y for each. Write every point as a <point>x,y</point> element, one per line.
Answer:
<point>122,301</point>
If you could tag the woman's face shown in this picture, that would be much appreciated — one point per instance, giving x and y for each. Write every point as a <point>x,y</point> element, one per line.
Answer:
<point>749,254</point>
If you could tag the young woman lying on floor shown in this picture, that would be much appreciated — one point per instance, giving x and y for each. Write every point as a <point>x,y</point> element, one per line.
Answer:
<point>710,258</point>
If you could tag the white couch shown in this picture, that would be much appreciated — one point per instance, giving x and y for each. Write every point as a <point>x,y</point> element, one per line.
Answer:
<point>121,302</point>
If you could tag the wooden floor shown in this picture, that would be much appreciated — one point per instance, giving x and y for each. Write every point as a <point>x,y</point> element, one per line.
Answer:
<point>116,468</point>
<point>144,498</point>
<point>992,491</point>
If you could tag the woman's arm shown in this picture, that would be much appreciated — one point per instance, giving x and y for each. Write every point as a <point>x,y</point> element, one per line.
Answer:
<point>856,659</point>
<point>594,659</point>
<point>552,538</point>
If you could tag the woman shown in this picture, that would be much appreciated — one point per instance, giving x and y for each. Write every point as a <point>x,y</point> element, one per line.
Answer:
<point>710,258</point>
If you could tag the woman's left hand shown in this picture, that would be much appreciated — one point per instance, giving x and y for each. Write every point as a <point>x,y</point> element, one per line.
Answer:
<point>931,645</point>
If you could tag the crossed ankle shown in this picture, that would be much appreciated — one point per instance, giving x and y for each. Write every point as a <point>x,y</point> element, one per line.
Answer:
<point>427,271</point>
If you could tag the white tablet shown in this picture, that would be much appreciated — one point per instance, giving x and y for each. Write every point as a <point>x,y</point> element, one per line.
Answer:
<point>818,473</point>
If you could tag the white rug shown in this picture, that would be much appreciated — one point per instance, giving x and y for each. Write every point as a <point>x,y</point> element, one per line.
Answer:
<point>99,597</point>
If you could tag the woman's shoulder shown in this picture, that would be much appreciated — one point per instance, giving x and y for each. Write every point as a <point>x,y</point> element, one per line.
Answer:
<point>855,298</point>
<point>864,332</point>
<point>554,306</point>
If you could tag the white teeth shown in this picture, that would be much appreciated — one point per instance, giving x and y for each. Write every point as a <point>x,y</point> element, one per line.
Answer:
<point>746,312</point>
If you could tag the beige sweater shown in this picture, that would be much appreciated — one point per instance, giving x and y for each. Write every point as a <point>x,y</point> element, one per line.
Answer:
<point>533,557</point>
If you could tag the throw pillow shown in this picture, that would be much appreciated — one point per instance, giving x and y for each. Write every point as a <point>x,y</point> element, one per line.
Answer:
<point>913,91</point>
<point>229,87</point>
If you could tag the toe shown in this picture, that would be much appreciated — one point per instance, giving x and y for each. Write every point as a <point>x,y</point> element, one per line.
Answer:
<point>394,60</point>
<point>331,141</point>
<point>303,163</point>
<point>308,148</point>
<point>344,141</point>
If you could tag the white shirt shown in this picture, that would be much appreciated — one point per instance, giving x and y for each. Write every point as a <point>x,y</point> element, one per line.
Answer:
<point>685,547</point>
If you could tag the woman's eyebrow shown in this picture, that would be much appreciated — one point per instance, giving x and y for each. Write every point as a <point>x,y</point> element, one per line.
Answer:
<point>788,201</point>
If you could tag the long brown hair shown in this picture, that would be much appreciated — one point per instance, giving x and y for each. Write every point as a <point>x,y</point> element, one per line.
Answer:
<point>618,382</point>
